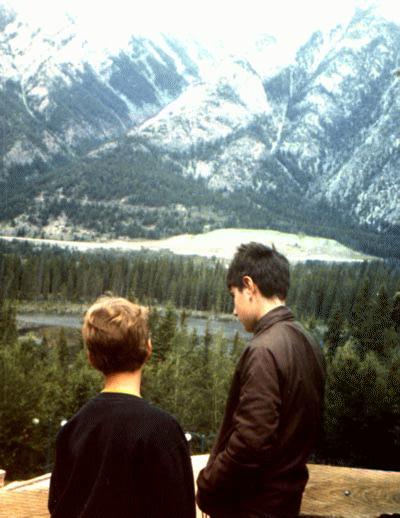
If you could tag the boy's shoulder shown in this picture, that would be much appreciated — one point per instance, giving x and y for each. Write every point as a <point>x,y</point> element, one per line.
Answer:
<point>126,411</point>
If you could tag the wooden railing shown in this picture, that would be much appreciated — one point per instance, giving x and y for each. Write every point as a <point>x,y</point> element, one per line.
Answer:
<point>336,492</point>
<point>332,492</point>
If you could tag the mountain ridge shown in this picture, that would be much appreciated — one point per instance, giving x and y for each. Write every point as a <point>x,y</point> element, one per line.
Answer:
<point>312,145</point>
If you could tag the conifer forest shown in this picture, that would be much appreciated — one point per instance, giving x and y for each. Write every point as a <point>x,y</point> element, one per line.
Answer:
<point>353,310</point>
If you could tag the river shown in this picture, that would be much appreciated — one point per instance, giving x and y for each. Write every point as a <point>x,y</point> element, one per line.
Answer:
<point>35,320</point>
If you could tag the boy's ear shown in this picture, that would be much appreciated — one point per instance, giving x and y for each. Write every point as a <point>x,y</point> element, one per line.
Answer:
<point>149,349</point>
<point>249,283</point>
<point>89,358</point>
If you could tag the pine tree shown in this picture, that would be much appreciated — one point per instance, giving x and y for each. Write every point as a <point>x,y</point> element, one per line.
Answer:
<point>361,318</point>
<point>62,351</point>
<point>183,318</point>
<point>221,370</point>
<point>391,342</point>
<point>8,323</point>
<point>395,314</point>
<point>166,330</point>
<point>380,320</point>
<point>238,345</point>
<point>334,336</point>
<point>20,395</point>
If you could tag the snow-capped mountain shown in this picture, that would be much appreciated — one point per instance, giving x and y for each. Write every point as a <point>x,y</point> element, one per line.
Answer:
<point>326,126</point>
<point>201,137</point>
<point>64,94</point>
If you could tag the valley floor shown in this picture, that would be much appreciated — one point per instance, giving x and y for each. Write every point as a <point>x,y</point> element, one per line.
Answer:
<point>221,244</point>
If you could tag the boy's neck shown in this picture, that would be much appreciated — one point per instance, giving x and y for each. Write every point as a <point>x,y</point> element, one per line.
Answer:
<point>268,304</point>
<point>124,382</point>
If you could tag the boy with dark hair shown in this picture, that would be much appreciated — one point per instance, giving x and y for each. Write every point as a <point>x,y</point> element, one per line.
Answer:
<point>119,456</point>
<point>257,467</point>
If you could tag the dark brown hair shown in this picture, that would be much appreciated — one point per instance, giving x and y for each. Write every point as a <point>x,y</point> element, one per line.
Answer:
<point>268,268</point>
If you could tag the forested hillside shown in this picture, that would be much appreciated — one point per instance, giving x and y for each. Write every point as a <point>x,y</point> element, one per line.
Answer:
<point>136,190</point>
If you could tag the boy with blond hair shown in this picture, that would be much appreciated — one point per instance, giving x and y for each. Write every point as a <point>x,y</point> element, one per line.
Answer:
<point>119,456</point>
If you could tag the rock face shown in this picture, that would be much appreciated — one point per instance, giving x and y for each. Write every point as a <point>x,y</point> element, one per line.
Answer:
<point>342,121</point>
<point>320,134</point>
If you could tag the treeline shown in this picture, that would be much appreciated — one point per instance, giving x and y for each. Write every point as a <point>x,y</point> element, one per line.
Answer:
<point>317,289</point>
<point>152,278</point>
<point>44,382</point>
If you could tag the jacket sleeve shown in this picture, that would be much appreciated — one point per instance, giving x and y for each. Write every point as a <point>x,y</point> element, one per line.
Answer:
<point>254,427</point>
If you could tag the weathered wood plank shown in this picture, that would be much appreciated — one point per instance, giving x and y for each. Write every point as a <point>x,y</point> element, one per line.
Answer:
<point>348,492</point>
<point>27,504</point>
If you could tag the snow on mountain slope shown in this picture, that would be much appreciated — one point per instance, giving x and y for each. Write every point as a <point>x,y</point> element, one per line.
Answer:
<point>209,111</point>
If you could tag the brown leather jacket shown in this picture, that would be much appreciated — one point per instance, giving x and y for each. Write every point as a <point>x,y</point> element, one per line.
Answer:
<point>257,467</point>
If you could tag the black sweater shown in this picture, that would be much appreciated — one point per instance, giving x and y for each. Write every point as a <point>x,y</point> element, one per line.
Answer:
<point>121,457</point>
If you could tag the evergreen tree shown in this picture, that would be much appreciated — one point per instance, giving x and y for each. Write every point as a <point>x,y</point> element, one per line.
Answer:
<point>221,370</point>
<point>22,379</point>
<point>360,410</point>
<point>334,336</point>
<point>380,320</point>
<point>83,383</point>
<point>183,318</point>
<point>391,413</point>
<point>395,314</point>
<point>237,347</point>
<point>166,330</point>
<point>361,318</point>
<point>391,342</point>
<point>62,351</point>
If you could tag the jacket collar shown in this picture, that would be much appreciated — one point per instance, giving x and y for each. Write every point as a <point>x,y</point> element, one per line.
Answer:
<point>272,317</point>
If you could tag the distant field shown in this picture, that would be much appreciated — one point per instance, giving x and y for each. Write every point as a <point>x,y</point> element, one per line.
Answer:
<point>222,244</point>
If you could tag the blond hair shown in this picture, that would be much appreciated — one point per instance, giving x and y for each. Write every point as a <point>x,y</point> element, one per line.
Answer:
<point>116,334</point>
